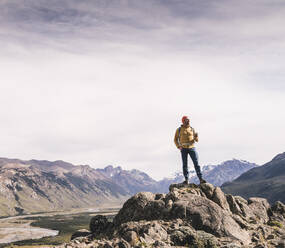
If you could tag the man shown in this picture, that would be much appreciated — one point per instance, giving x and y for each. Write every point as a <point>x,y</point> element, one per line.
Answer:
<point>184,139</point>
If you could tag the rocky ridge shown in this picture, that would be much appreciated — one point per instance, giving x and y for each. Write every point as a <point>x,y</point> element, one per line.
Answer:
<point>188,216</point>
<point>132,181</point>
<point>27,188</point>
<point>227,171</point>
<point>267,181</point>
<point>42,186</point>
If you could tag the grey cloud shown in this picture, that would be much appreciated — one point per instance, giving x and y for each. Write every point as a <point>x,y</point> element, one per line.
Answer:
<point>201,28</point>
<point>71,14</point>
<point>114,19</point>
<point>89,63</point>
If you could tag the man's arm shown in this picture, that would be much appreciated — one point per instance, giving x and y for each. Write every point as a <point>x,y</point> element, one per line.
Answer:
<point>196,138</point>
<point>176,138</point>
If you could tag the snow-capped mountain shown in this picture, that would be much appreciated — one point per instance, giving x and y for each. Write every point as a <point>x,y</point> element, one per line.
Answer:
<point>214,174</point>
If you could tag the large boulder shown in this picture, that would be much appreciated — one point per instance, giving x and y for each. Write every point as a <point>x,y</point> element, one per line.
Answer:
<point>137,208</point>
<point>208,189</point>
<point>278,208</point>
<point>204,214</point>
<point>190,216</point>
<point>259,207</point>
<point>99,224</point>
<point>187,236</point>
<point>219,197</point>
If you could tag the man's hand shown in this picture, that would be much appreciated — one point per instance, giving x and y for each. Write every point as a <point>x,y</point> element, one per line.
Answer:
<point>196,138</point>
<point>180,148</point>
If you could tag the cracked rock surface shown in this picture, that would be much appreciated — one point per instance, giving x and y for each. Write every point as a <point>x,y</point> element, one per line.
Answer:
<point>191,215</point>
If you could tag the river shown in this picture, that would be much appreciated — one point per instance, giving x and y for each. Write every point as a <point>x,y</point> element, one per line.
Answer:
<point>18,228</point>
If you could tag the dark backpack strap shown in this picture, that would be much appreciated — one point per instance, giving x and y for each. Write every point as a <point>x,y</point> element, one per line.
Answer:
<point>179,129</point>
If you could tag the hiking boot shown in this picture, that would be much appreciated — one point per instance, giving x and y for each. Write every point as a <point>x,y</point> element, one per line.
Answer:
<point>202,181</point>
<point>186,182</point>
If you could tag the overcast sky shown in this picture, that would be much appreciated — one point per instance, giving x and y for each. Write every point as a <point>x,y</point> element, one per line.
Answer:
<point>107,82</point>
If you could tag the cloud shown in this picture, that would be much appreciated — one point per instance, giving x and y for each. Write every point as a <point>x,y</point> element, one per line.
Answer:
<point>106,82</point>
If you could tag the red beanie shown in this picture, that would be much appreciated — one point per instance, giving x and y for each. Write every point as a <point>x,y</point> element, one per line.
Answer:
<point>183,118</point>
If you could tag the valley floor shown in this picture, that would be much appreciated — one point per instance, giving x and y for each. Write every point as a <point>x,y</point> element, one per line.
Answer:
<point>19,228</point>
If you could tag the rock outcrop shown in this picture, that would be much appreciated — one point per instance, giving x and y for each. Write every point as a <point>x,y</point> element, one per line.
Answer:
<point>192,215</point>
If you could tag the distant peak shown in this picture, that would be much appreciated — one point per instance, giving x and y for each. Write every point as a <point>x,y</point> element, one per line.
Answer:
<point>111,167</point>
<point>60,161</point>
<point>280,156</point>
<point>235,160</point>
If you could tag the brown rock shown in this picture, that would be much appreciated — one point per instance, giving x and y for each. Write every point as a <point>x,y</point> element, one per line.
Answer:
<point>279,208</point>
<point>156,231</point>
<point>208,189</point>
<point>148,240</point>
<point>191,216</point>
<point>160,244</point>
<point>234,207</point>
<point>107,244</point>
<point>259,207</point>
<point>178,210</point>
<point>133,209</point>
<point>281,244</point>
<point>173,195</point>
<point>80,233</point>
<point>206,215</point>
<point>99,224</point>
<point>159,196</point>
<point>131,237</point>
<point>155,210</point>
<point>241,221</point>
<point>181,186</point>
<point>187,236</point>
<point>123,244</point>
<point>219,197</point>
<point>270,236</point>
<point>169,204</point>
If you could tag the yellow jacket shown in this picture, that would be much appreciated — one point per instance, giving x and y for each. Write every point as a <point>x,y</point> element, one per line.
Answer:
<point>187,137</point>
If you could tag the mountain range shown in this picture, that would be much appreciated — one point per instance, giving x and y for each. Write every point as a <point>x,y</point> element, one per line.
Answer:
<point>214,174</point>
<point>266,181</point>
<point>41,186</point>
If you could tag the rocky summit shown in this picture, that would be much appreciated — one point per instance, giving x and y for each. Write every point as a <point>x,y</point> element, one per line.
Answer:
<point>191,215</point>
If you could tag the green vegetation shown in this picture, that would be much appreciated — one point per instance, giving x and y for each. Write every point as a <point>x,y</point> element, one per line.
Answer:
<point>275,223</point>
<point>65,224</point>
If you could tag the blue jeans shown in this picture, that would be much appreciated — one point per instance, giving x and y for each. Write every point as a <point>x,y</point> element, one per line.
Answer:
<point>194,156</point>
